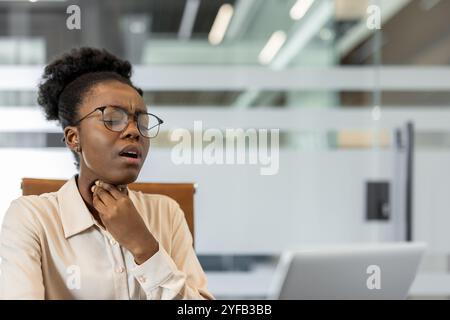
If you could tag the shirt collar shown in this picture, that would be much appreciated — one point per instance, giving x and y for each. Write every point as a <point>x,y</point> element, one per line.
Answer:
<point>75,216</point>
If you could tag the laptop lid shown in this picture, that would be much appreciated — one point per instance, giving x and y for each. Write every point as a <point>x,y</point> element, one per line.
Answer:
<point>363,271</point>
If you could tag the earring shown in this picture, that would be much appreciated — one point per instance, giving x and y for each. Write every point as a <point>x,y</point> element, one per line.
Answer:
<point>78,149</point>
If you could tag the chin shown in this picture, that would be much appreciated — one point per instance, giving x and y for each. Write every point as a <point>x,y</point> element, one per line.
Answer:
<point>122,177</point>
<point>127,178</point>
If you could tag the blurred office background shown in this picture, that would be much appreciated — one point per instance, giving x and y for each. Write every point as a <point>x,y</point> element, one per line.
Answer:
<point>346,98</point>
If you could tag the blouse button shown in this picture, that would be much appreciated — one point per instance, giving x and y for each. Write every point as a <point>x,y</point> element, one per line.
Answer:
<point>120,269</point>
<point>112,242</point>
<point>142,279</point>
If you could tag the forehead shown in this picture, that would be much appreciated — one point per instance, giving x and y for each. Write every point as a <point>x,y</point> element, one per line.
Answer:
<point>114,93</point>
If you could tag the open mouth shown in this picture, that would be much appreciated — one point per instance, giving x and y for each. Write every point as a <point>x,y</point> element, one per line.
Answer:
<point>129,154</point>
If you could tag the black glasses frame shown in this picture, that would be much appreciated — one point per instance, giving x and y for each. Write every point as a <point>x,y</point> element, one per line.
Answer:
<point>135,118</point>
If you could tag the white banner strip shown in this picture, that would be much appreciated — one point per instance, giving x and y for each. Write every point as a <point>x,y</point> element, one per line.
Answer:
<point>31,119</point>
<point>207,78</point>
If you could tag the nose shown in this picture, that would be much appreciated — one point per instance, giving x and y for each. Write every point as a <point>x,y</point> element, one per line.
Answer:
<point>131,130</point>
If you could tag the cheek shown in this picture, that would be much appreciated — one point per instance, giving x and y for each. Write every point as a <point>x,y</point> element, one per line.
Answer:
<point>98,150</point>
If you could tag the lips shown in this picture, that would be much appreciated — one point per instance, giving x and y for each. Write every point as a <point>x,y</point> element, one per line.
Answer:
<point>131,151</point>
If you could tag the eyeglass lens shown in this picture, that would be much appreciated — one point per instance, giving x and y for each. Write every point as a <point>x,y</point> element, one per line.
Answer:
<point>116,119</point>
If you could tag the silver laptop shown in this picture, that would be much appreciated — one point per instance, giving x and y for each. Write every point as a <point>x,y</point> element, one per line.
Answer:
<point>375,271</point>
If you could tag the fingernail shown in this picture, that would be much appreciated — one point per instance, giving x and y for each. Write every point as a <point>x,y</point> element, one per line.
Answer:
<point>97,182</point>
<point>92,188</point>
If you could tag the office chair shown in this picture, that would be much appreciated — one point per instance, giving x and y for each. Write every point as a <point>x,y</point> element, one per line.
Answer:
<point>183,193</point>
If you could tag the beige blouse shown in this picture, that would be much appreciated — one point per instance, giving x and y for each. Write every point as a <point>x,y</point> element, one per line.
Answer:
<point>51,247</point>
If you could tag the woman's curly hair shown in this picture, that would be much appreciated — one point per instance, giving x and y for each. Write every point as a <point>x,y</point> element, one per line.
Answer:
<point>68,80</point>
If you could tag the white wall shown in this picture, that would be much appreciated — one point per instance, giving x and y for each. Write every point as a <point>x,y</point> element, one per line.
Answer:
<point>317,197</point>
<point>432,199</point>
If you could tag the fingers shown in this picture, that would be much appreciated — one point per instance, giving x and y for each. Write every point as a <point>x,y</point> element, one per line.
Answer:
<point>98,203</point>
<point>115,193</point>
<point>102,194</point>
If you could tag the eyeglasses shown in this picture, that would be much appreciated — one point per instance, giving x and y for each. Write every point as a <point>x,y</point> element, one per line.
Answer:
<point>116,119</point>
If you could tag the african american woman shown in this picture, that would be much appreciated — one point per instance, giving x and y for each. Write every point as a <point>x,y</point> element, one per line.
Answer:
<point>94,238</point>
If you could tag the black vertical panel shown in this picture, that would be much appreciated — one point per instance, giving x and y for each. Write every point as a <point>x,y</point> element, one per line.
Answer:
<point>377,200</point>
<point>409,179</point>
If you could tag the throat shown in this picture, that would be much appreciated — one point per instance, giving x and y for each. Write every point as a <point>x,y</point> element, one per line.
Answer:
<point>86,195</point>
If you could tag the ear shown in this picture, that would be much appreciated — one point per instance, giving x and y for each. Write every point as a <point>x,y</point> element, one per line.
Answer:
<point>71,136</point>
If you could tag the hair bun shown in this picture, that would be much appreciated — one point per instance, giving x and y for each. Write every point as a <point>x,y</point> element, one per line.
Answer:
<point>58,74</point>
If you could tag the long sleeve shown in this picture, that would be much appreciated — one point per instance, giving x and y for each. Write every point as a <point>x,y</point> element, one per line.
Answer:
<point>178,275</point>
<point>21,274</point>
<point>50,248</point>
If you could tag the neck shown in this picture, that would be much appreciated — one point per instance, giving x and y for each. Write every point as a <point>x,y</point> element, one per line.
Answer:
<point>85,181</point>
<point>84,184</point>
